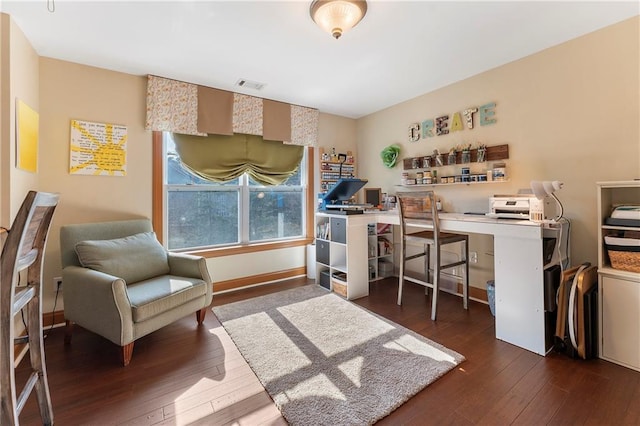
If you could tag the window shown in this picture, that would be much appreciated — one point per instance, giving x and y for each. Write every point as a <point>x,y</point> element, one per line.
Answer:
<point>199,214</point>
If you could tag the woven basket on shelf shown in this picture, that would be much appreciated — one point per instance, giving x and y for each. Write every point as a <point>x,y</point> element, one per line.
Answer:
<point>625,260</point>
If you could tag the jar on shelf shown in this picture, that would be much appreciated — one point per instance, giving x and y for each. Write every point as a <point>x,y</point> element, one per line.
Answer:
<point>482,154</point>
<point>451,158</point>
<point>426,162</point>
<point>499,171</point>
<point>437,158</point>
<point>415,163</point>
<point>465,156</point>
<point>405,177</point>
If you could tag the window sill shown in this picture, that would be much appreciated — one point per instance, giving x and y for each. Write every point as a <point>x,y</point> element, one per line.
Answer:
<point>251,248</point>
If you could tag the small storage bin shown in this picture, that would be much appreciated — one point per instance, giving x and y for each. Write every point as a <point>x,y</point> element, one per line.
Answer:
<point>339,230</point>
<point>624,253</point>
<point>339,287</point>
<point>325,279</point>
<point>322,251</point>
<point>385,269</point>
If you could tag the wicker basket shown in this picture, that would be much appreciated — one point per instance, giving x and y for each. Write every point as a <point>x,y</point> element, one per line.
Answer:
<point>625,260</point>
<point>339,287</point>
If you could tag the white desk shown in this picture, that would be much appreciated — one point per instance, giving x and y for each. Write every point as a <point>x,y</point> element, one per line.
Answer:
<point>519,269</point>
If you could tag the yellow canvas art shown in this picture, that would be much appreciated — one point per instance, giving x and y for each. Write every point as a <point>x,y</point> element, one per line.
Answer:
<point>98,149</point>
<point>26,137</point>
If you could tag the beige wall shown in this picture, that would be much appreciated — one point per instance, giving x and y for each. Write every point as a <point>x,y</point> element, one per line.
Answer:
<point>5,126</point>
<point>569,113</point>
<point>335,132</point>
<point>19,80</point>
<point>24,86</point>
<point>338,132</point>
<point>72,91</point>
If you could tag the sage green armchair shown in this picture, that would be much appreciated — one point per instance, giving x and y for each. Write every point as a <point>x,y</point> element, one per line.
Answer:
<point>120,282</point>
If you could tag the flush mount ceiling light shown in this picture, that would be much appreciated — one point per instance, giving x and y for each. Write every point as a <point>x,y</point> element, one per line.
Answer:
<point>337,16</point>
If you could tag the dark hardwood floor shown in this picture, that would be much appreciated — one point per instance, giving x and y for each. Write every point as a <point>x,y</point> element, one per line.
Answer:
<point>184,374</point>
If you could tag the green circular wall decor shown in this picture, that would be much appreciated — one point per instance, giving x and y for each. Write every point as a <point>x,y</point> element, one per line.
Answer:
<point>390,155</point>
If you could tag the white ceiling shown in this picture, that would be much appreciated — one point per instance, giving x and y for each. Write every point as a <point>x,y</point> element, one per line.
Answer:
<point>399,51</point>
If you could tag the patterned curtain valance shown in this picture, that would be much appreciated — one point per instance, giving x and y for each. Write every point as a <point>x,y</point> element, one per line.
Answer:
<point>172,106</point>
<point>179,107</point>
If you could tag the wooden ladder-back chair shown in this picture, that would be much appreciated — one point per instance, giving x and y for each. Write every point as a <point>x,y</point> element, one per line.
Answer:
<point>24,250</point>
<point>420,208</point>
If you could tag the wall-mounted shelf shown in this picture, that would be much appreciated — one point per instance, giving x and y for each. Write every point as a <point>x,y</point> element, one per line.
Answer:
<point>453,184</point>
<point>494,153</point>
<point>330,169</point>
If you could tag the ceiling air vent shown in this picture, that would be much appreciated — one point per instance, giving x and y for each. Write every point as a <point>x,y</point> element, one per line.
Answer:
<point>248,84</point>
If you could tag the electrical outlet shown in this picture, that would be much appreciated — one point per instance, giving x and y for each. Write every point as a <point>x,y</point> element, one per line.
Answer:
<point>57,284</point>
<point>473,257</point>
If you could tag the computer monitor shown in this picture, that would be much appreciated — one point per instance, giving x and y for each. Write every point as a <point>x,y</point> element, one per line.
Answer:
<point>343,190</point>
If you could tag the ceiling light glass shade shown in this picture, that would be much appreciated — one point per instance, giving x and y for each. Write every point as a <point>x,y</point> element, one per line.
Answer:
<point>337,16</point>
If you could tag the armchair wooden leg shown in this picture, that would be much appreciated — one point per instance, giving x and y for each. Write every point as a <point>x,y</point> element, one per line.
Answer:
<point>68,330</point>
<point>126,354</point>
<point>200,315</point>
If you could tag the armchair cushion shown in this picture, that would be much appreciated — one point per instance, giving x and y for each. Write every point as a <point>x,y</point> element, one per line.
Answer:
<point>134,258</point>
<point>160,294</point>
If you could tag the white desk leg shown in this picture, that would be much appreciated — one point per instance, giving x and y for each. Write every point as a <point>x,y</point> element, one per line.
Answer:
<point>520,318</point>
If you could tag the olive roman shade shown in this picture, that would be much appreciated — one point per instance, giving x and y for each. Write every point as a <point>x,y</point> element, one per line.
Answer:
<point>185,108</point>
<point>221,158</point>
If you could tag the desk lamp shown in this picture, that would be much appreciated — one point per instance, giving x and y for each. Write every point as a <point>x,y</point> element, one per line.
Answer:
<point>542,189</point>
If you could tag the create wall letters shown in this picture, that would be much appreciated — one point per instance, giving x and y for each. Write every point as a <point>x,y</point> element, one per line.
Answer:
<point>445,124</point>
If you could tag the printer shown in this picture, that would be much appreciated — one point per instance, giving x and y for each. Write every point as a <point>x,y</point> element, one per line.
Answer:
<point>521,206</point>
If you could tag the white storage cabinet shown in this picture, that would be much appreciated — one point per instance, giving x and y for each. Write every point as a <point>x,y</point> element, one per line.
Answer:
<point>341,262</point>
<point>618,289</point>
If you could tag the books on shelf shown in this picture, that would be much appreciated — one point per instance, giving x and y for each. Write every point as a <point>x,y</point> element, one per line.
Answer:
<point>384,228</point>
<point>340,276</point>
<point>384,247</point>
<point>323,230</point>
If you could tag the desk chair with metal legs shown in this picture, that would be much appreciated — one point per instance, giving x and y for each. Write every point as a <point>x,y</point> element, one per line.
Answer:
<point>420,207</point>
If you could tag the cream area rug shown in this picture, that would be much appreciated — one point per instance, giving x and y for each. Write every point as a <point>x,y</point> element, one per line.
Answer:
<point>327,361</point>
